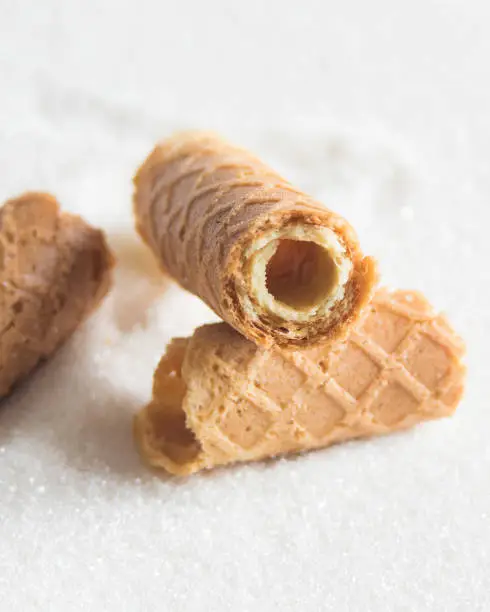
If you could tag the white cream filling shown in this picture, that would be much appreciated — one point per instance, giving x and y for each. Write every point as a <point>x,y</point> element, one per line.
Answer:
<point>260,253</point>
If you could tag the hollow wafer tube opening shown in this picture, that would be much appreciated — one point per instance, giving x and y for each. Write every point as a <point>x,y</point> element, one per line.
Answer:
<point>300,274</point>
<point>295,274</point>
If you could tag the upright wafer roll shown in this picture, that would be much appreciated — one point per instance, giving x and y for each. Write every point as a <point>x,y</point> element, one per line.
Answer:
<point>218,398</point>
<point>269,260</point>
<point>54,271</point>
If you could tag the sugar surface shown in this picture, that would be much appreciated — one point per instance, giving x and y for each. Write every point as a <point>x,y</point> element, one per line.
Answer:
<point>382,110</point>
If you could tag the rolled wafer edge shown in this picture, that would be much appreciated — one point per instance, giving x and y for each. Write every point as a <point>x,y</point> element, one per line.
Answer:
<point>219,399</point>
<point>55,269</point>
<point>268,259</point>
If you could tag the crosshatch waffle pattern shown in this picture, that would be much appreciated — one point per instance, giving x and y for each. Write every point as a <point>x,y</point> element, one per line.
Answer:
<point>400,366</point>
<point>200,201</point>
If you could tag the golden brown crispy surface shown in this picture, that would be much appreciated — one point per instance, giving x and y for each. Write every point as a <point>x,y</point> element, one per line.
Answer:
<point>217,398</point>
<point>214,216</point>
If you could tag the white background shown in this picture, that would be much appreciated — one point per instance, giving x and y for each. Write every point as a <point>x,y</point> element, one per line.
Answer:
<point>381,109</point>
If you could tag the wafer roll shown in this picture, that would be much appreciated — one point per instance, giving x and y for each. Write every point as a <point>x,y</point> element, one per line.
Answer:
<point>269,260</point>
<point>54,270</point>
<point>218,399</point>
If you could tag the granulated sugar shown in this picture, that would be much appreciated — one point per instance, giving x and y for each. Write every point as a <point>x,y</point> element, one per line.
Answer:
<point>400,523</point>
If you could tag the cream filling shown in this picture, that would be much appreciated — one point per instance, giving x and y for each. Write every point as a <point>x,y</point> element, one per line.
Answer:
<point>296,282</point>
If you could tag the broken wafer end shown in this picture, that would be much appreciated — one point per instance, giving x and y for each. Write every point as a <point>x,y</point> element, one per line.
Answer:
<point>160,428</point>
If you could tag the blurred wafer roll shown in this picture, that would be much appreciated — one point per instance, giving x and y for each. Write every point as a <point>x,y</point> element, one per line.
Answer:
<point>218,398</point>
<point>267,258</point>
<point>55,269</point>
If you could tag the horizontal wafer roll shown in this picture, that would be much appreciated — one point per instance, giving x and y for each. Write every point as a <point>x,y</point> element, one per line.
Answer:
<point>218,398</point>
<point>269,260</point>
<point>54,270</point>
